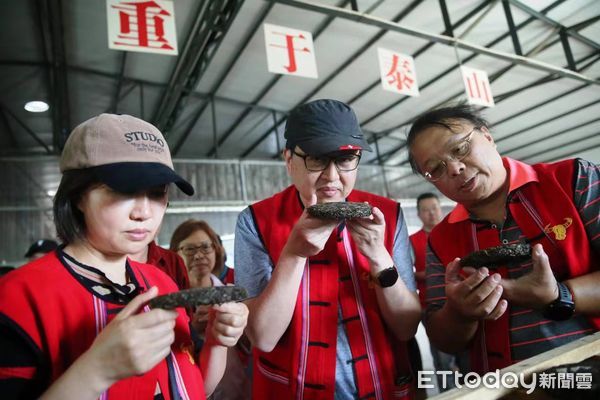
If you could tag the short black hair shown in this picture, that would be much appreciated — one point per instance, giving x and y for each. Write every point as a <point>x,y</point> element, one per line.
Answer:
<point>68,219</point>
<point>425,196</point>
<point>446,117</point>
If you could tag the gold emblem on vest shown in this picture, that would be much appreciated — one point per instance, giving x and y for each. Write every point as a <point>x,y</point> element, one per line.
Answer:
<point>560,230</point>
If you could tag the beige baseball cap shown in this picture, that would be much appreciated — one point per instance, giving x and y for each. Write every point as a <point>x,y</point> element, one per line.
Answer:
<point>124,152</point>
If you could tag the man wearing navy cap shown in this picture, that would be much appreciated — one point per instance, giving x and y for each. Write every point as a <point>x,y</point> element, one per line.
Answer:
<point>329,317</point>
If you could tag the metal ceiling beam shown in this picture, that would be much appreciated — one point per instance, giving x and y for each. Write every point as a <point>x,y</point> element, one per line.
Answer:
<point>584,24</point>
<point>116,98</point>
<point>452,68</point>
<point>355,55</point>
<point>548,150</point>
<point>553,135</point>
<point>120,96</point>
<point>545,121</point>
<point>550,77</point>
<point>268,87</point>
<point>389,153</point>
<point>27,128</point>
<point>51,26</point>
<point>573,33</point>
<point>442,39</point>
<point>11,135</point>
<point>212,23</point>
<point>546,79</point>
<point>199,95</point>
<point>511,27</point>
<point>446,17</point>
<point>489,4</point>
<point>213,91</point>
<point>570,153</point>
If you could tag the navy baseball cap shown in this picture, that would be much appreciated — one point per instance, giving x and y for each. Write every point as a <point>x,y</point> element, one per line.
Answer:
<point>324,126</point>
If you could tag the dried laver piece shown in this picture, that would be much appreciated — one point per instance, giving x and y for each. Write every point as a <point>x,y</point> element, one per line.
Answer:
<point>500,255</point>
<point>340,210</point>
<point>199,296</point>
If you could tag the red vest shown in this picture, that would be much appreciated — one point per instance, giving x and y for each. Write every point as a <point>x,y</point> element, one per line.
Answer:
<point>63,318</point>
<point>302,365</point>
<point>419,245</point>
<point>541,206</point>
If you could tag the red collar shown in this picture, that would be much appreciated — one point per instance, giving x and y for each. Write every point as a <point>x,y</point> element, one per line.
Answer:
<point>155,256</point>
<point>519,174</point>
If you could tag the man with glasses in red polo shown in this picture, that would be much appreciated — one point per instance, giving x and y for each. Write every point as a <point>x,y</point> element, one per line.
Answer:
<point>332,302</point>
<point>510,312</point>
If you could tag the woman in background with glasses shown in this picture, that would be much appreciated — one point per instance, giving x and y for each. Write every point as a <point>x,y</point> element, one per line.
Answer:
<point>204,256</point>
<point>198,244</point>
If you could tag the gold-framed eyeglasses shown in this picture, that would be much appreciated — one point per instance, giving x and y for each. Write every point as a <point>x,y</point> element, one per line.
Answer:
<point>204,248</point>
<point>343,162</point>
<point>459,151</point>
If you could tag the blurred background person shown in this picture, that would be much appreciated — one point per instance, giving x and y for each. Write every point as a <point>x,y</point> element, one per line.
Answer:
<point>430,213</point>
<point>40,248</point>
<point>204,256</point>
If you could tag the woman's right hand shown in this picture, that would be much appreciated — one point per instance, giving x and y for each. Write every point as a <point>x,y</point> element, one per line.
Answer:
<point>133,343</point>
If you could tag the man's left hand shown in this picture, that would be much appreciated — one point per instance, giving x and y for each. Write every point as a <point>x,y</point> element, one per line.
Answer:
<point>369,234</point>
<point>536,289</point>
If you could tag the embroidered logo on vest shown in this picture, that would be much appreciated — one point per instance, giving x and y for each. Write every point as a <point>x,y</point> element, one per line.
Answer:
<point>560,230</point>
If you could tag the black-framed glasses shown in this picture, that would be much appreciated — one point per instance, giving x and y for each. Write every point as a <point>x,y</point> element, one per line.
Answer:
<point>204,248</point>
<point>458,152</point>
<point>343,162</point>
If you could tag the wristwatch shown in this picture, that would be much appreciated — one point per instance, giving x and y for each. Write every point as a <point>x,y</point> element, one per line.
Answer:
<point>387,277</point>
<point>563,307</point>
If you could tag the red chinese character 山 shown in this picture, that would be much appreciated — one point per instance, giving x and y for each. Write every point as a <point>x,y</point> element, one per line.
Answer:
<point>142,24</point>
<point>400,73</point>
<point>477,86</point>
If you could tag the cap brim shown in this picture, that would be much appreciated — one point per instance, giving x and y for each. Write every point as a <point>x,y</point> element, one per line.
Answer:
<point>133,177</point>
<point>326,145</point>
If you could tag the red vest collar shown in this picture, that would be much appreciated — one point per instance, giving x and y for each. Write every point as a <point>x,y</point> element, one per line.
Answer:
<point>519,174</point>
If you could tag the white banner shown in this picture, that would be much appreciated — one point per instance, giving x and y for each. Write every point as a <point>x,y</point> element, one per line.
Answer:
<point>477,87</point>
<point>290,51</point>
<point>398,73</point>
<point>143,26</point>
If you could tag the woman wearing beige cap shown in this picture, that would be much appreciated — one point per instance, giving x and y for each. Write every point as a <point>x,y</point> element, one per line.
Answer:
<point>74,324</point>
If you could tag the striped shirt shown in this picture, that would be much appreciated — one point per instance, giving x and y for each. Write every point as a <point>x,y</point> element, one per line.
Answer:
<point>530,332</point>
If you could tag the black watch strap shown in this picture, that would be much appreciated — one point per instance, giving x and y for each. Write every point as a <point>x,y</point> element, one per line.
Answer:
<point>563,307</point>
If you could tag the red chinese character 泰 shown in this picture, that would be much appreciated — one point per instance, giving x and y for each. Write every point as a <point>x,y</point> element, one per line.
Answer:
<point>400,74</point>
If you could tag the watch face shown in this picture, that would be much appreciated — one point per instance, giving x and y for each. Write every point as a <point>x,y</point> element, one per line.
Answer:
<point>560,311</point>
<point>388,277</point>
